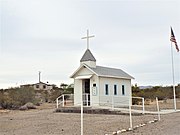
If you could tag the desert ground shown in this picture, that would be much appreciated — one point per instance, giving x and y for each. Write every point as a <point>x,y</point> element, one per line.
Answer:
<point>44,121</point>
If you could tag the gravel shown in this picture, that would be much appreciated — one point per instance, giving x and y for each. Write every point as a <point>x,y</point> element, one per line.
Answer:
<point>45,122</point>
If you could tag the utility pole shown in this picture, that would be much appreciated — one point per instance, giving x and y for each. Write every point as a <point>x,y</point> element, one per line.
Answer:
<point>39,76</point>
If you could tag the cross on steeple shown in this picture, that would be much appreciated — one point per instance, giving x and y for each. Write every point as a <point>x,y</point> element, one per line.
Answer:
<point>88,37</point>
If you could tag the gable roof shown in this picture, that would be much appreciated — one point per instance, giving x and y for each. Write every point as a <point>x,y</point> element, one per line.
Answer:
<point>111,72</point>
<point>106,72</point>
<point>36,84</point>
<point>40,83</point>
<point>88,56</point>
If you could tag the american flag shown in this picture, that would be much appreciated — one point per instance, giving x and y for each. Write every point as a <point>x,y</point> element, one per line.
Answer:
<point>173,39</point>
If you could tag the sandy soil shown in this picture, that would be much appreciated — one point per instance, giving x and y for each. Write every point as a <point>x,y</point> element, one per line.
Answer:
<point>168,125</point>
<point>43,121</point>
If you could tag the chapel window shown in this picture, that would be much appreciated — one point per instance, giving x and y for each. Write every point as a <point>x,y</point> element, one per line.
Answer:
<point>106,89</point>
<point>115,89</point>
<point>123,90</point>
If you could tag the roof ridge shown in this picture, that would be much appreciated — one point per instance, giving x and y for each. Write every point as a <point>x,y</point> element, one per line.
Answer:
<point>109,67</point>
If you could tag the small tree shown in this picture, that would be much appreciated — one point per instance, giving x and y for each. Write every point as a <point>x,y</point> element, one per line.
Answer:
<point>63,86</point>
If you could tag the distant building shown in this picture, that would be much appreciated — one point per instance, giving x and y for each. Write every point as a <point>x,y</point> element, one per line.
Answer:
<point>42,86</point>
<point>39,86</point>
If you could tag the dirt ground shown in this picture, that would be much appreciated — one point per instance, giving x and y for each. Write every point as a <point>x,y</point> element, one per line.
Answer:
<point>168,125</point>
<point>43,121</point>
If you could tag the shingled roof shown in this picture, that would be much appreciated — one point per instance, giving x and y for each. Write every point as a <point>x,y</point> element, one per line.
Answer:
<point>110,72</point>
<point>88,56</point>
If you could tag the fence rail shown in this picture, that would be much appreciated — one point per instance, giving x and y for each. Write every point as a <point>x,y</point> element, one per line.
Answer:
<point>107,101</point>
<point>65,99</point>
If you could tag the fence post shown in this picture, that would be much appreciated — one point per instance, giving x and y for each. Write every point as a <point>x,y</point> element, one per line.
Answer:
<point>130,116</point>
<point>86,99</point>
<point>143,106</point>
<point>57,103</point>
<point>112,103</point>
<point>158,108</point>
<point>63,99</point>
<point>82,113</point>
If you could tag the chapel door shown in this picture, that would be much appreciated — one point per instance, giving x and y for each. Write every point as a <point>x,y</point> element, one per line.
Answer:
<point>86,92</point>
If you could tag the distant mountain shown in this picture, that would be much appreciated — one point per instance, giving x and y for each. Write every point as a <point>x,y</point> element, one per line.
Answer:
<point>145,87</point>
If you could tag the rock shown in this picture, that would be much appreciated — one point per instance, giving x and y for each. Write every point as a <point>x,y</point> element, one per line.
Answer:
<point>119,131</point>
<point>38,104</point>
<point>30,105</point>
<point>23,108</point>
<point>123,130</point>
<point>27,106</point>
<point>155,120</point>
<point>130,129</point>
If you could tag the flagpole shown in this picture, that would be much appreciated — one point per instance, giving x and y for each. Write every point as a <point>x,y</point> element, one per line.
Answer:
<point>82,112</point>
<point>178,69</point>
<point>174,91</point>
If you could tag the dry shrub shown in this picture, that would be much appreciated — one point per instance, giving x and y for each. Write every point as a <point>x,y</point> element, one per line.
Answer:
<point>15,97</point>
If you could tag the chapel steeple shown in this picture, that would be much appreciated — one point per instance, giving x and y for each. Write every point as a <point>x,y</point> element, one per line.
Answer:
<point>88,57</point>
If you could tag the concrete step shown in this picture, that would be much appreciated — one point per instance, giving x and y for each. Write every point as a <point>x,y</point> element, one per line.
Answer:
<point>90,110</point>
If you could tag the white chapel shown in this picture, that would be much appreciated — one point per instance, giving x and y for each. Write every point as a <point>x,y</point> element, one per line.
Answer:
<point>100,85</point>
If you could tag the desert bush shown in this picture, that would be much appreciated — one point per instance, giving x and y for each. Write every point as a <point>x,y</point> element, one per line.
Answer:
<point>5,100</point>
<point>21,96</point>
<point>157,91</point>
<point>54,94</point>
<point>15,97</point>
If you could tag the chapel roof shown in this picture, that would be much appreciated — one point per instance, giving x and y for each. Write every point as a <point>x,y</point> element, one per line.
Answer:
<point>88,56</point>
<point>110,72</point>
<point>105,72</point>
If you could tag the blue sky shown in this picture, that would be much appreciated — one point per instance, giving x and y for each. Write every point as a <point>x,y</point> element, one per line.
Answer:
<point>45,35</point>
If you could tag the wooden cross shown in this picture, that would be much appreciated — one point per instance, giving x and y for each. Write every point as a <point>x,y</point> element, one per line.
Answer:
<point>88,37</point>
